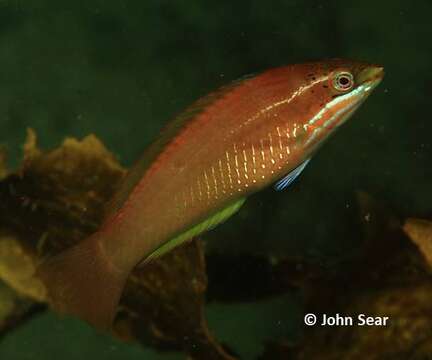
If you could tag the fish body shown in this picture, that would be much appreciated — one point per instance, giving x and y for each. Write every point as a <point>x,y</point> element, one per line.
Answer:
<point>225,147</point>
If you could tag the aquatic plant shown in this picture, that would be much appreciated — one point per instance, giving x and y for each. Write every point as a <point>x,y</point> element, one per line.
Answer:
<point>55,199</point>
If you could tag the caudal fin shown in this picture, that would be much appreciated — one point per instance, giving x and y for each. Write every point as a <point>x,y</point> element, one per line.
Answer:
<point>81,281</point>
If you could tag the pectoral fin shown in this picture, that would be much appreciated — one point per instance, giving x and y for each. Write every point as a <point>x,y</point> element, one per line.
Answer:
<point>288,179</point>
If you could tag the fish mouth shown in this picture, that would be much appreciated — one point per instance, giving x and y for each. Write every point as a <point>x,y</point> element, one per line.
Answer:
<point>371,76</point>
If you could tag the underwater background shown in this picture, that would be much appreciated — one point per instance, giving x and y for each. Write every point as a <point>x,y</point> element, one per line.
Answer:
<point>121,70</point>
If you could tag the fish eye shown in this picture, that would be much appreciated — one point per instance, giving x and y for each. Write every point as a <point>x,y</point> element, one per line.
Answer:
<point>343,81</point>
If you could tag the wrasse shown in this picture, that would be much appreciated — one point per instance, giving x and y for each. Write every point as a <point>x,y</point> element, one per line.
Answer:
<point>257,131</point>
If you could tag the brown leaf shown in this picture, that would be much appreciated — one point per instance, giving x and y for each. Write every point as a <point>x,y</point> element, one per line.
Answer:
<point>420,232</point>
<point>409,311</point>
<point>56,199</point>
<point>389,278</point>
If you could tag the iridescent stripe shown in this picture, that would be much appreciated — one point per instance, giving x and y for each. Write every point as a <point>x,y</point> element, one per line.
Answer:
<point>338,114</point>
<point>357,92</point>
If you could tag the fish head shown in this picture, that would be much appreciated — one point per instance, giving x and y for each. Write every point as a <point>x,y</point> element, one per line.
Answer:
<point>331,92</point>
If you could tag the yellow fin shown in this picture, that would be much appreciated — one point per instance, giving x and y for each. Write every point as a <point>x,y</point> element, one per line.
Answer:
<point>196,230</point>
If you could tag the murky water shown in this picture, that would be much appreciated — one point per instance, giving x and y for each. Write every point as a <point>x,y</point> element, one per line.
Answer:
<point>122,70</point>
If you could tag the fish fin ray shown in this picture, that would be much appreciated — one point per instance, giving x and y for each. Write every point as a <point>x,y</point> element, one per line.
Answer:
<point>80,281</point>
<point>208,224</point>
<point>289,178</point>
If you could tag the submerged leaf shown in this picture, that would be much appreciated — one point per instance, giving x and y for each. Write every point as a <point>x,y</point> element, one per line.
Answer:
<point>17,268</point>
<point>420,232</point>
<point>30,147</point>
<point>55,200</point>
<point>388,279</point>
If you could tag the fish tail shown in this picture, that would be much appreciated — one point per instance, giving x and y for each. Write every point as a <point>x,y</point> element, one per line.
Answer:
<point>84,282</point>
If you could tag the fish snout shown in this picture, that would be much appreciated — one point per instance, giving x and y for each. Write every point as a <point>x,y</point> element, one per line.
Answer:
<point>371,75</point>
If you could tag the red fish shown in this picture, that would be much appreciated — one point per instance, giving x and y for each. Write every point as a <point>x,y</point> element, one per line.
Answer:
<point>228,145</point>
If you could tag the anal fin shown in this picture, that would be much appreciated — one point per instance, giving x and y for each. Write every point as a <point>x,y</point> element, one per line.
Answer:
<point>196,230</point>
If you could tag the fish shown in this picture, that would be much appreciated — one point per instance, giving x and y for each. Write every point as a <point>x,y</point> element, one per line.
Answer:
<point>257,131</point>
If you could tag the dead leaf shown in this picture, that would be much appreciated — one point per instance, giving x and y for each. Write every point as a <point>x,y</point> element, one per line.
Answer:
<point>388,278</point>
<point>55,200</point>
<point>420,232</point>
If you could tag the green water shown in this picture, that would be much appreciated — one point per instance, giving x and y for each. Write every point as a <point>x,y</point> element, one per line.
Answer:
<point>120,70</point>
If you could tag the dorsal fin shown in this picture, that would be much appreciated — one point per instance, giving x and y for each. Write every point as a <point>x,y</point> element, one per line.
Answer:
<point>171,130</point>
